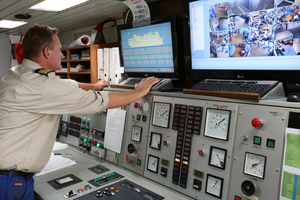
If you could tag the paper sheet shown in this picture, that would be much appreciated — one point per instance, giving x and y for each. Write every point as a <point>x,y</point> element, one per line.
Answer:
<point>139,9</point>
<point>58,146</point>
<point>114,129</point>
<point>290,180</point>
<point>55,163</point>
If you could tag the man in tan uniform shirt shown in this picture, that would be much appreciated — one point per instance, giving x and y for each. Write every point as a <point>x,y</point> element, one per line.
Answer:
<point>31,102</point>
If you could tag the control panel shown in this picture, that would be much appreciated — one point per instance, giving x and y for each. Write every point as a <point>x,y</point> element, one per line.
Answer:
<point>202,148</point>
<point>133,156</point>
<point>190,146</point>
<point>86,132</point>
<point>258,151</point>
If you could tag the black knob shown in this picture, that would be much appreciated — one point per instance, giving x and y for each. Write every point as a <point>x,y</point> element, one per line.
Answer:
<point>99,194</point>
<point>248,188</point>
<point>130,148</point>
<point>88,148</point>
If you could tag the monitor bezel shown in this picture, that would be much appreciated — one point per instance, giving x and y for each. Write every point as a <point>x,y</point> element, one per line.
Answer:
<point>174,75</point>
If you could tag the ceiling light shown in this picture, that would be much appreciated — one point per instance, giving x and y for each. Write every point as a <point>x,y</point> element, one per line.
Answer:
<point>11,24</point>
<point>56,5</point>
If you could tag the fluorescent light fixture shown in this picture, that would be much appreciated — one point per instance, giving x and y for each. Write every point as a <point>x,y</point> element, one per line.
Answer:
<point>56,5</point>
<point>11,24</point>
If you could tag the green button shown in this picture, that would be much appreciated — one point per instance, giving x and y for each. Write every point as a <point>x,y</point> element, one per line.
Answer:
<point>81,138</point>
<point>144,118</point>
<point>257,140</point>
<point>182,185</point>
<point>138,117</point>
<point>83,121</point>
<point>175,182</point>
<point>88,123</point>
<point>98,145</point>
<point>85,139</point>
<point>138,162</point>
<point>90,141</point>
<point>270,143</point>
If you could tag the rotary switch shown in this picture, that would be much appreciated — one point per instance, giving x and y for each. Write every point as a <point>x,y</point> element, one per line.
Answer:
<point>131,148</point>
<point>248,188</point>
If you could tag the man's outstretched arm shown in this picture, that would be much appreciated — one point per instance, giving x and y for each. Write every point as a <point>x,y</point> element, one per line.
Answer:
<point>120,99</point>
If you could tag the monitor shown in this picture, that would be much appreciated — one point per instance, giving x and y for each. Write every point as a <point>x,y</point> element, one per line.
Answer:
<point>245,35</point>
<point>149,50</point>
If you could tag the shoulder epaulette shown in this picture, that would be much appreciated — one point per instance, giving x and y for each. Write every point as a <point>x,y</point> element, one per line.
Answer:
<point>43,71</point>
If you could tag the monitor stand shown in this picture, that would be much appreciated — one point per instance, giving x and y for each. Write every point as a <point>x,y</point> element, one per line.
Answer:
<point>163,83</point>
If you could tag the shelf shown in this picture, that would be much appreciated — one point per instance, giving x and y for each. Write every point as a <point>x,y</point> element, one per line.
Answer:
<point>87,77</point>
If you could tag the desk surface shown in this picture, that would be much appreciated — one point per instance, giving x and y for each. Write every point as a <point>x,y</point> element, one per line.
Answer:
<point>85,161</point>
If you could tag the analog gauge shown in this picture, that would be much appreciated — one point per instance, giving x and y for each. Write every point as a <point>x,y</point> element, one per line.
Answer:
<point>255,165</point>
<point>214,186</point>
<point>217,124</point>
<point>153,163</point>
<point>161,114</point>
<point>155,141</point>
<point>136,133</point>
<point>217,157</point>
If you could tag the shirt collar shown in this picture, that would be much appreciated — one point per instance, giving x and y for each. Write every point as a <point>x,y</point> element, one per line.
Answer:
<point>30,64</point>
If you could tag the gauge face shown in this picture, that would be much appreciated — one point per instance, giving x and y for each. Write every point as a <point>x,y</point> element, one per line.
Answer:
<point>152,163</point>
<point>214,186</point>
<point>136,133</point>
<point>155,141</point>
<point>217,157</point>
<point>217,124</point>
<point>255,165</point>
<point>161,114</point>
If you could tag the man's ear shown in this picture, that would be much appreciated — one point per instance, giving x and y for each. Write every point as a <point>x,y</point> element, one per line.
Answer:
<point>46,52</point>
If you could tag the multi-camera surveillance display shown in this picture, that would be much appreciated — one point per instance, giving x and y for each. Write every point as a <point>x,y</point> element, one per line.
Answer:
<point>251,34</point>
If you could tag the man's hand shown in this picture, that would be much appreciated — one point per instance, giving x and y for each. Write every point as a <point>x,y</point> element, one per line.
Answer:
<point>96,86</point>
<point>101,84</point>
<point>145,85</point>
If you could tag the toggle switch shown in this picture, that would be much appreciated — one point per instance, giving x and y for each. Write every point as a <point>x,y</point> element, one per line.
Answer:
<point>201,152</point>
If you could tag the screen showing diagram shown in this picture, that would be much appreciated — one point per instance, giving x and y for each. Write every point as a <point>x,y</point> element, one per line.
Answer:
<point>148,49</point>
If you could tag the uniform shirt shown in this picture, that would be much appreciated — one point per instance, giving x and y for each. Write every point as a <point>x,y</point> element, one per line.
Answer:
<point>30,108</point>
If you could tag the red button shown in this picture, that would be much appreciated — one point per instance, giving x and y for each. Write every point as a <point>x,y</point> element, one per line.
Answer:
<point>257,123</point>
<point>237,198</point>
<point>136,105</point>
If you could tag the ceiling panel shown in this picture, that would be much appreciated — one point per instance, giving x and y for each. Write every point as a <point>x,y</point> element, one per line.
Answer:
<point>84,15</point>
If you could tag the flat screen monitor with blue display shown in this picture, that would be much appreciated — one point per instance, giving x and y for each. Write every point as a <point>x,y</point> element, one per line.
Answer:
<point>149,50</point>
<point>245,35</point>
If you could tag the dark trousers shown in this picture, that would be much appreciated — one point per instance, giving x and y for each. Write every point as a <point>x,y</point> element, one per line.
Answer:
<point>16,187</point>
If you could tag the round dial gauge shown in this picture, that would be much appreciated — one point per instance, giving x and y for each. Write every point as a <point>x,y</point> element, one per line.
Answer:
<point>153,163</point>
<point>64,127</point>
<point>214,186</point>
<point>217,123</point>
<point>161,114</point>
<point>255,165</point>
<point>136,133</point>
<point>155,141</point>
<point>217,157</point>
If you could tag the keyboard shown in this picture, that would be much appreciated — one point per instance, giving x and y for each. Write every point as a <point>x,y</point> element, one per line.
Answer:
<point>236,88</point>
<point>129,83</point>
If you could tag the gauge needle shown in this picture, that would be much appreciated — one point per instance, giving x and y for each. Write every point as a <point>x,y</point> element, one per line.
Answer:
<point>215,185</point>
<point>221,121</point>
<point>164,112</point>
<point>156,140</point>
<point>221,162</point>
<point>253,165</point>
<point>136,133</point>
<point>154,162</point>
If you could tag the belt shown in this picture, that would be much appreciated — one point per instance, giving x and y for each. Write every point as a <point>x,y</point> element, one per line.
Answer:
<point>17,173</point>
